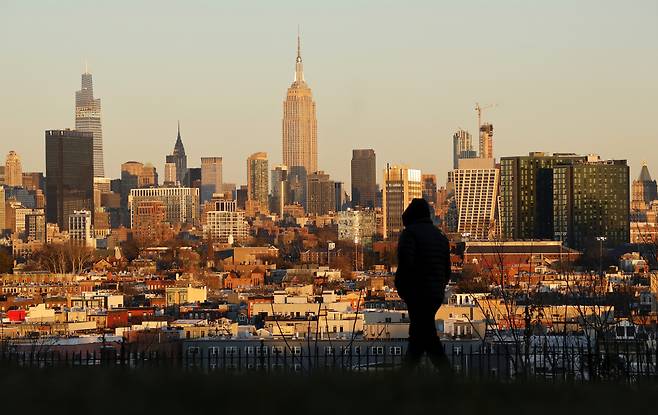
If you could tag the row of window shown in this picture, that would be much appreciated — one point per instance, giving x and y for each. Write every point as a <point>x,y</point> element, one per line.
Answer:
<point>295,350</point>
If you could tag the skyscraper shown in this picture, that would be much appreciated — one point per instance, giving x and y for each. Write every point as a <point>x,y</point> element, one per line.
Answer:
<point>88,119</point>
<point>13,170</point>
<point>462,147</point>
<point>476,196</point>
<point>364,178</point>
<point>300,132</point>
<point>321,194</point>
<point>179,158</point>
<point>69,174</point>
<point>429,188</point>
<point>258,180</point>
<point>401,185</point>
<point>486,141</point>
<point>211,177</point>
<point>279,189</point>
<point>170,174</point>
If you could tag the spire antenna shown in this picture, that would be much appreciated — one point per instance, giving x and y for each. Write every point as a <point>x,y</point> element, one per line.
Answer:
<point>299,46</point>
<point>86,66</point>
<point>178,128</point>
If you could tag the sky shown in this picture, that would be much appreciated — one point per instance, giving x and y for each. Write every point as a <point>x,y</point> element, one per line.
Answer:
<point>399,77</point>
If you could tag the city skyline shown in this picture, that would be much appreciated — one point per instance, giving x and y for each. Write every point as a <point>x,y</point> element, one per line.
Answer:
<point>595,104</point>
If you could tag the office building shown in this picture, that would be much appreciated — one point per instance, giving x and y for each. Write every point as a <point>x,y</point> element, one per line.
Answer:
<point>13,170</point>
<point>179,159</point>
<point>279,183</point>
<point>462,147</point>
<point>88,119</point>
<point>340,197</point>
<point>181,203</point>
<point>429,188</point>
<point>34,181</point>
<point>258,181</point>
<point>35,226</point>
<point>321,194</point>
<point>80,228</point>
<point>211,177</point>
<point>364,178</point>
<point>169,174</point>
<point>401,186</point>
<point>69,174</point>
<point>300,134</point>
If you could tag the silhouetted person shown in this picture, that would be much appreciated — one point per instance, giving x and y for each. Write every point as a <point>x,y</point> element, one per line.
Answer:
<point>422,274</point>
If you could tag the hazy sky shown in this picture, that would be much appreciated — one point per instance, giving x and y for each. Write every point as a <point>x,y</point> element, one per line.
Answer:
<point>399,77</point>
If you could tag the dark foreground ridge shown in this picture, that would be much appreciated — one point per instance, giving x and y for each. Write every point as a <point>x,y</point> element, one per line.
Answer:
<point>123,391</point>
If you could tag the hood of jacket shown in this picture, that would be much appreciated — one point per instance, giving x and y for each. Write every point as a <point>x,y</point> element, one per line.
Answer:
<point>417,211</point>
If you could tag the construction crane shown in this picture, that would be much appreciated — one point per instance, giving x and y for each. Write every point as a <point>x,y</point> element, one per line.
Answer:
<point>479,110</point>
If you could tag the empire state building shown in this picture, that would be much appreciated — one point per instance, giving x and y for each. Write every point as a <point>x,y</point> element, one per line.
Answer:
<point>300,132</point>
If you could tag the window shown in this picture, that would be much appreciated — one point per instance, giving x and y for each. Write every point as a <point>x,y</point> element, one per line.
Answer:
<point>192,351</point>
<point>213,351</point>
<point>377,350</point>
<point>395,350</point>
<point>277,350</point>
<point>296,350</point>
<point>329,351</point>
<point>230,350</point>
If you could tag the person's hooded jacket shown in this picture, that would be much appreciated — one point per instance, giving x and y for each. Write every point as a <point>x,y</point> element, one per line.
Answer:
<point>423,256</point>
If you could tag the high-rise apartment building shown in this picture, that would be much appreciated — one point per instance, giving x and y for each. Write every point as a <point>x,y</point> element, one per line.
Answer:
<point>526,194</point>
<point>644,190</point>
<point>211,177</point>
<point>486,141</point>
<point>179,158</point>
<point>321,194</point>
<point>462,147</point>
<point>565,197</point>
<point>69,174</point>
<point>149,221</point>
<point>476,197</point>
<point>591,200</point>
<point>280,189</point>
<point>224,223</point>
<point>88,119</point>
<point>13,170</point>
<point>401,186</point>
<point>181,203</point>
<point>300,132</point>
<point>258,180</point>
<point>364,178</point>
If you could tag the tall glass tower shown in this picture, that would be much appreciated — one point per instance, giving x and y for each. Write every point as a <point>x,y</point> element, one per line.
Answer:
<point>88,119</point>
